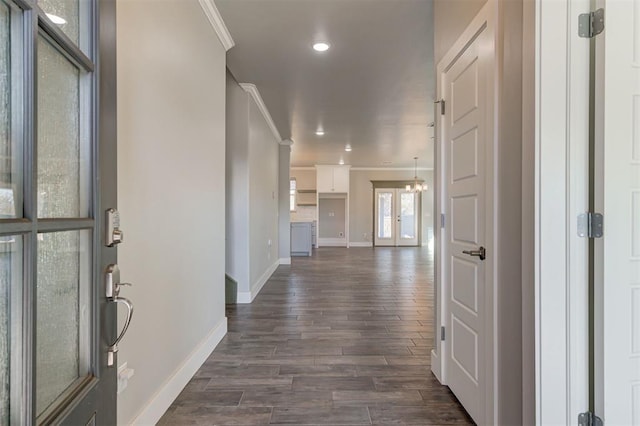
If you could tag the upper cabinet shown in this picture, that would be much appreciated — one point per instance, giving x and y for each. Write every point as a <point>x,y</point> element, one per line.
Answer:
<point>332,179</point>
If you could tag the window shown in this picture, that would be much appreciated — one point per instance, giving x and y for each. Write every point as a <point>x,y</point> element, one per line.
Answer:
<point>292,194</point>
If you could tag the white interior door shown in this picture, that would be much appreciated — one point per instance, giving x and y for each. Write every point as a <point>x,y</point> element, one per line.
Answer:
<point>396,217</point>
<point>464,144</point>
<point>617,367</point>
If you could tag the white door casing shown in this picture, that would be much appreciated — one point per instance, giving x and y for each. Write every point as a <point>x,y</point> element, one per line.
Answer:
<point>617,259</point>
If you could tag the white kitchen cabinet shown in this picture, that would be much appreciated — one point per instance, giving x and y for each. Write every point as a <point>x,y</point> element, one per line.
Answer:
<point>332,179</point>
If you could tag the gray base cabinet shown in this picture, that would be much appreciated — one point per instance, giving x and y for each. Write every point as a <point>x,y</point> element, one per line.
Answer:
<point>301,239</point>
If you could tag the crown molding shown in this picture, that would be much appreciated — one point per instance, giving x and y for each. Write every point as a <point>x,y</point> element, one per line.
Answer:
<point>252,90</point>
<point>286,142</point>
<point>216,21</point>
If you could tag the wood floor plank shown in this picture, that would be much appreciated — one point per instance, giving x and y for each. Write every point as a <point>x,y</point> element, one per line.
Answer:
<point>339,338</point>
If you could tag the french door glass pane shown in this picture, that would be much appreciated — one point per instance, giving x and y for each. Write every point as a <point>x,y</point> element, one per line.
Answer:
<point>63,160</point>
<point>407,216</point>
<point>65,14</point>
<point>10,150</point>
<point>385,218</point>
<point>63,282</point>
<point>10,278</point>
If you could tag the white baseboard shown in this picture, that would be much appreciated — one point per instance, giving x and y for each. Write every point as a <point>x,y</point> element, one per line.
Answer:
<point>248,296</point>
<point>361,244</point>
<point>172,387</point>
<point>285,261</point>
<point>332,242</point>
<point>436,367</point>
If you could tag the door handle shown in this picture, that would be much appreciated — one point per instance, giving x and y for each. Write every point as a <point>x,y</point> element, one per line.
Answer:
<point>112,290</point>
<point>481,253</point>
<point>114,347</point>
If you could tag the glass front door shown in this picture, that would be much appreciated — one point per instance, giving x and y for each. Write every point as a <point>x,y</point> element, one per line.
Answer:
<point>55,322</point>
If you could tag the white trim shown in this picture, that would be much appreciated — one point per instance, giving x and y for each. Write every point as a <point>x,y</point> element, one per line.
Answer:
<point>252,90</point>
<point>361,244</point>
<point>216,21</point>
<point>172,387</point>
<point>332,242</point>
<point>561,193</point>
<point>245,297</point>
<point>302,168</point>
<point>436,365</point>
<point>286,142</point>
<point>285,261</point>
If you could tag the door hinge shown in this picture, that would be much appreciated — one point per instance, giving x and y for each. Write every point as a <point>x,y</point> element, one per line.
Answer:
<point>589,419</point>
<point>591,24</point>
<point>442,333</point>
<point>442,221</point>
<point>442,107</point>
<point>590,225</point>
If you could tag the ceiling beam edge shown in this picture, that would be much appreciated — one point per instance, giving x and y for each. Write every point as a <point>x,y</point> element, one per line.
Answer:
<point>216,21</point>
<point>252,90</point>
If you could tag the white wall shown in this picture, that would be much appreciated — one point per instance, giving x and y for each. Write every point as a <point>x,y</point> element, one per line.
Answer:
<point>171,143</point>
<point>237,184</point>
<point>252,193</point>
<point>361,201</point>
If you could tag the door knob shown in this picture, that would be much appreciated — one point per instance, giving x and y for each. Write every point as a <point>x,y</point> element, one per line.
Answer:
<point>112,290</point>
<point>481,253</point>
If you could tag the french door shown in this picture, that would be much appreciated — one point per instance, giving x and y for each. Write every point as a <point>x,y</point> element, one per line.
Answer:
<point>57,176</point>
<point>396,217</point>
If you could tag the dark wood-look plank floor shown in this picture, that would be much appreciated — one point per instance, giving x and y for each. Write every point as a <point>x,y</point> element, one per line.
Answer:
<point>339,338</point>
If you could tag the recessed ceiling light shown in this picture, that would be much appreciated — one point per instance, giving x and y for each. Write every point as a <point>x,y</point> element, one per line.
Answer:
<point>56,19</point>
<point>347,148</point>
<point>321,46</point>
<point>319,132</point>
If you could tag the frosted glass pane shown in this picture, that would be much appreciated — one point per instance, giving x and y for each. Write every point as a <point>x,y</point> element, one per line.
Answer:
<point>62,178</point>
<point>10,276</point>
<point>62,313</point>
<point>385,218</point>
<point>65,14</point>
<point>10,155</point>
<point>407,216</point>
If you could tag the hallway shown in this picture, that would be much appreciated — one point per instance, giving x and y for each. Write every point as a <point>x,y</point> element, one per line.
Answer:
<point>340,338</point>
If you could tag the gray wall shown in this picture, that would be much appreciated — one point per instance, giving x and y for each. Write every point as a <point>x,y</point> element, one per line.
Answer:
<point>252,236</point>
<point>171,194</point>
<point>237,184</point>
<point>263,195</point>
<point>284,221</point>
<point>332,215</point>
<point>451,18</point>
<point>361,201</point>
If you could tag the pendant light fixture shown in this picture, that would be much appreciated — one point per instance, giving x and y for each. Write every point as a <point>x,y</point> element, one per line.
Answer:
<point>417,187</point>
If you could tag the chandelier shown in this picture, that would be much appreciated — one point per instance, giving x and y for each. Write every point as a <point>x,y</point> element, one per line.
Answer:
<point>417,187</point>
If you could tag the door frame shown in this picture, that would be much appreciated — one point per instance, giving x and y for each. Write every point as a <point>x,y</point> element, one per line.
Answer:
<point>485,20</point>
<point>561,194</point>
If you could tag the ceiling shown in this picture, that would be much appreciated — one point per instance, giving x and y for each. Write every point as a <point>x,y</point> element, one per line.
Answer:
<point>373,89</point>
